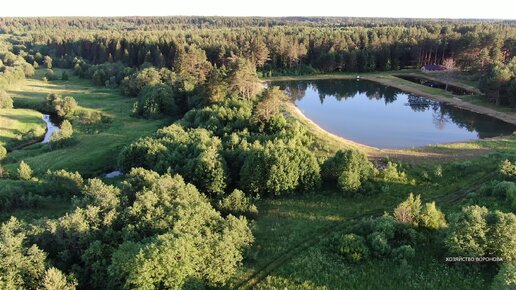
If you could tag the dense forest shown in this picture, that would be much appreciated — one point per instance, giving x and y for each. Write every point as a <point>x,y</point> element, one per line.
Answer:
<point>184,214</point>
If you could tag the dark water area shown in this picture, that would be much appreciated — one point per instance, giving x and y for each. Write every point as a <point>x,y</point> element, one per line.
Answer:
<point>435,84</point>
<point>385,117</point>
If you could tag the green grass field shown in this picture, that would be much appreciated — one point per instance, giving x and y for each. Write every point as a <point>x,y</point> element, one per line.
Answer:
<point>93,153</point>
<point>15,125</point>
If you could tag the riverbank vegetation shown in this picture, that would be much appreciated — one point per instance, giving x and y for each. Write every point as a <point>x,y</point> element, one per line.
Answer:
<point>225,184</point>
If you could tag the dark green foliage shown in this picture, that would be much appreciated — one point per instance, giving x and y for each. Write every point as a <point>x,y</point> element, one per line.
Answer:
<point>348,168</point>
<point>133,84</point>
<point>194,153</point>
<point>353,247</point>
<point>506,278</point>
<point>20,194</point>
<point>230,116</point>
<point>63,107</point>
<point>380,238</point>
<point>6,102</point>
<point>64,76</point>
<point>156,99</point>
<point>62,182</point>
<point>279,168</point>
<point>50,75</point>
<point>237,203</point>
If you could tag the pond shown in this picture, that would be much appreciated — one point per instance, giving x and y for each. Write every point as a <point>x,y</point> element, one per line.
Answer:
<point>385,117</point>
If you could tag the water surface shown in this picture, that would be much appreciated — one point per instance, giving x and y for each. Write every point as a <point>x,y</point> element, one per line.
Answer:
<point>385,117</point>
<point>51,127</point>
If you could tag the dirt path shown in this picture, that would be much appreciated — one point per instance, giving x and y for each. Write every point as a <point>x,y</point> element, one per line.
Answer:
<point>319,235</point>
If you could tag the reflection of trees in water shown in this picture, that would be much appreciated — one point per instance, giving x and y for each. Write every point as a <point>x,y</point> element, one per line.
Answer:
<point>296,90</point>
<point>421,104</point>
<point>344,89</point>
<point>441,114</point>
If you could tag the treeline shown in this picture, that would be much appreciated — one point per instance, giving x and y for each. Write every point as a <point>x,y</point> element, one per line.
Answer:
<point>18,25</point>
<point>290,49</point>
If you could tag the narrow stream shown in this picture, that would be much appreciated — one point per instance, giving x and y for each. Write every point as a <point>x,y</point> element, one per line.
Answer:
<point>51,128</point>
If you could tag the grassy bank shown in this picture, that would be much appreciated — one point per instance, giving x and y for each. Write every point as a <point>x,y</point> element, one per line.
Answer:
<point>95,151</point>
<point>20,126</point>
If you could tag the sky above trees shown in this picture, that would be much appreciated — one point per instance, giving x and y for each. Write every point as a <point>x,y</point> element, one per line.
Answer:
<point>497,9</point>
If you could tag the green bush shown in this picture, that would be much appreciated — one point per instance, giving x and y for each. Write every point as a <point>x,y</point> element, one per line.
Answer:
<point>279,169</point>
<point>62,182</point>
<point>392,173</point>
<point>507,170</point>
<point>6,102</point>
<point>348,168</point>
<point>353,248</point>
<point>237,203</point>
<point>24,171</point>
<point>3,152</point>
<point>403,253</point>
<point>504,189</point>
<point>506,277</point>
<point>431,217</point>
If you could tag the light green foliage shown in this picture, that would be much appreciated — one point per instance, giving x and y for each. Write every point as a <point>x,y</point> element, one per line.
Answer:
<point>192,67</point>
<point>21,267</point>
<point>270,104</point>
<point>478,232</point>
<point>506,277</point>
<point>3,152</point>
<point>56,280</point>
<point>279,168</point>
<point>353,247</point>
<point>227,117</point>
<point>409,210</point>
<point>237,203</point>
<point>243,80</point>
<point>133,84</point>
<point>182,223</point>
<point>47,61</point>
<point>391,173</point>
<point>64,107</point>
<point>194,154</point>
<point>501,237</point>
<point>24,171</point>
<point>96,193</point>
<point>6,102</point>
<point>64,133</point>
<point>507,170</point>
<point>468,233</point>
<point>431,217</point>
